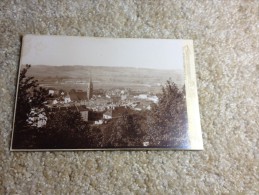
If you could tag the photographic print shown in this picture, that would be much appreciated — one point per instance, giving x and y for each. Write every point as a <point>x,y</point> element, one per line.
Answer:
<point>82,93</point>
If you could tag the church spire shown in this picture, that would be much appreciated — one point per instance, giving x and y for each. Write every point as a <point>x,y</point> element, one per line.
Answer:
<point>90,88</point>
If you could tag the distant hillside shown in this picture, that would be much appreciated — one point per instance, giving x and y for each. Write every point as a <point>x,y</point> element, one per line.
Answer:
<point>108,77</point>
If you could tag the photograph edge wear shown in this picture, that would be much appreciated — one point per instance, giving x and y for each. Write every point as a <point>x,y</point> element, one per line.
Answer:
<point>192,100</point>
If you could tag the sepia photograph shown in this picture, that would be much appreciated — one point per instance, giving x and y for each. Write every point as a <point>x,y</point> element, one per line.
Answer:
<point>82,93</point>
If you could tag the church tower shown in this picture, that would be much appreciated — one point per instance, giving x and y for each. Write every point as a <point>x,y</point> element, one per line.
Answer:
<point>90,89</point>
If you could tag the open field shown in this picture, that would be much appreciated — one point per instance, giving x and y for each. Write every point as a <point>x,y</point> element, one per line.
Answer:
<point>77,77</point>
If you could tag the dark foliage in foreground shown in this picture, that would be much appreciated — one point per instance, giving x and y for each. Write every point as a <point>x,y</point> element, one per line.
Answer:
<point>30,96</point>
<point>169,123</point>
<point>125,131</point>
<point>165,125</point>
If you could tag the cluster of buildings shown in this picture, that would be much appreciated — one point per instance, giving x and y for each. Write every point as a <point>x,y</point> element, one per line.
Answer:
<point>96,109</point>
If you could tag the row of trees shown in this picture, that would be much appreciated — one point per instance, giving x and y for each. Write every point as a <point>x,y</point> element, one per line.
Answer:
<point>165,125</point>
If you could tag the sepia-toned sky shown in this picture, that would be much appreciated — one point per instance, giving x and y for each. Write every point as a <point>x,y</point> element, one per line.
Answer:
<point>65,50</point>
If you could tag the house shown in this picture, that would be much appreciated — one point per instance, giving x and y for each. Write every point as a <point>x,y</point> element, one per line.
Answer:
<point>51,92</point>
<point>107,114</point>
<point>99,122</point>
<point>153,99</point>
<point>137,109</point>
<point>112,106</point>
<point>141,96</point>
<point>123,97</point>
<point>117,112</point>
<point>78,96</point>
<point>84,114</point>
<point>67,99</point>
<point>116,99</point>
<point>55,102</point>
<point>149,107</point>
<point>84,111</point>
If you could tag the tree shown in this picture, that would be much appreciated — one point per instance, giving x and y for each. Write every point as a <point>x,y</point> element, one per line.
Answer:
<point>30,97</point>
<point>64,129</point>
<point>127,130</point>
<point>65,121</point>
<point>168,121</point>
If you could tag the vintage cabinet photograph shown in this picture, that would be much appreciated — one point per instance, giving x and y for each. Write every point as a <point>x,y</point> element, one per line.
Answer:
<point>81,93</point>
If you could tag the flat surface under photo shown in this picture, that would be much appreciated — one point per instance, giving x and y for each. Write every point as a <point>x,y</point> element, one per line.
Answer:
<point>83,93</point>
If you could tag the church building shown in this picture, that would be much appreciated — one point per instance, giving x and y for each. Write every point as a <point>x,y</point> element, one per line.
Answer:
<point>90,89</point>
